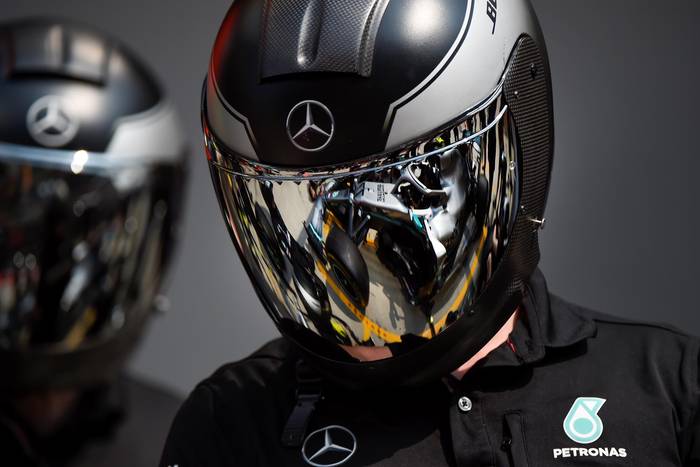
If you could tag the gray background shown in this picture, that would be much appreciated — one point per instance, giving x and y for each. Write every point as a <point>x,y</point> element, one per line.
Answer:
<point>623,214</point>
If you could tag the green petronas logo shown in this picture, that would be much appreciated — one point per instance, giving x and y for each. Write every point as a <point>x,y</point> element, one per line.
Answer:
<point>582,424</point>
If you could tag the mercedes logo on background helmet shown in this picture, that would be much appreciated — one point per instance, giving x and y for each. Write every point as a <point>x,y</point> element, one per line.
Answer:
<point>329,447</point>
<point>310,126</point>
<point>50,123</point>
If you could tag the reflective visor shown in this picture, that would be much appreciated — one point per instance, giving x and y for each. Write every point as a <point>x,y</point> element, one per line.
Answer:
<point>387,251</point>
<point>82,242</point>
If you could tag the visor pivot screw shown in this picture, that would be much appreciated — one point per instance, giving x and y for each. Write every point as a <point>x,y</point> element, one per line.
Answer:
<point>539,223</point>
<point>161,304</point>
<point>533,70</point>
<point>516,94</point>
<point>464,404</point>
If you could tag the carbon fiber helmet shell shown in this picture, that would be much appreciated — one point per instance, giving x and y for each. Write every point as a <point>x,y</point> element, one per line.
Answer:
<point>91,172</point>
<point>399,153</point>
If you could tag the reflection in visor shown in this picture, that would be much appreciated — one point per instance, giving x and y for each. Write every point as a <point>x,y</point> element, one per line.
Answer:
<point>78,249</point>
<point>389,253</point>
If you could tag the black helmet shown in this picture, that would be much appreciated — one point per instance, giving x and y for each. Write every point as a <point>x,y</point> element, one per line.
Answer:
<point>91,166</point>
<point>383,169</point>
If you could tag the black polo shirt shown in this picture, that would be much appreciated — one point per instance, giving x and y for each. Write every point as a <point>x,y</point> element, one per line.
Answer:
<point>570,388</point>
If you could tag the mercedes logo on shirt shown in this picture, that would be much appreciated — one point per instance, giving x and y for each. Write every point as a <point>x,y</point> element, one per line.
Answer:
<point>50,123</point>
<point>310,126</point>
<point>329,447</point>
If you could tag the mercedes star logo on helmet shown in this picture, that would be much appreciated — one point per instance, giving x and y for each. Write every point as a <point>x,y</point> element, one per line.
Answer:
<point>310,126</point>
<point>328,447</point>
<point>50,123</point>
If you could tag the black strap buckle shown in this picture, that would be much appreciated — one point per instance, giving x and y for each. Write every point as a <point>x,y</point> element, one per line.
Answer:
<point>308,394</point>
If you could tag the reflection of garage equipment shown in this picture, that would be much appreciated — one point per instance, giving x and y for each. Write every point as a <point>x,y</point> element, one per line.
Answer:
<point>412,216</point>
<point>343,259</point>
<point>283,250</point>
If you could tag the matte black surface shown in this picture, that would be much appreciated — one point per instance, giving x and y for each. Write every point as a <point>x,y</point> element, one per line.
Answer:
<point>40,58</point>
<point>359,105</point>
<point>45,49</point>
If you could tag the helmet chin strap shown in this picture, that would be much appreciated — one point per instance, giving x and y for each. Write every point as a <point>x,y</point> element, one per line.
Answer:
<point>309,389</point>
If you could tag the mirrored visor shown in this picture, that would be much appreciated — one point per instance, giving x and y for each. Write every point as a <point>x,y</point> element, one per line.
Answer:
<point>388,251</point>
<point>83,239</point>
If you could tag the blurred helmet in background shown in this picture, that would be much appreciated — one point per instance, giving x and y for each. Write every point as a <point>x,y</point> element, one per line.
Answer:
<point>383,167</point>
<point>91,172</point>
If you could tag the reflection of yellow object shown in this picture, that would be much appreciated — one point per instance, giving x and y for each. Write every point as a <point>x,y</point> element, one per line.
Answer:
<point>338,328</point>
<point>328,222</point>
<point>367,323</point>
<point>77,334</point>
<point>371,239</point>
<point>462,293</point>
<point>370,327</point>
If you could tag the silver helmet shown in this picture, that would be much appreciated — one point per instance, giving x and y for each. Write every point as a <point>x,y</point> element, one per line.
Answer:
<point>382,167</point>
<point>91,171</point>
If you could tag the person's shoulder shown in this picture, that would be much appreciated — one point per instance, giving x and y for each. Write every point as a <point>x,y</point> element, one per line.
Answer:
<point>259,380</point>
<point>272,367</point>
<point>624,327</point>
<point>237,402</point>
<point>661,354</point>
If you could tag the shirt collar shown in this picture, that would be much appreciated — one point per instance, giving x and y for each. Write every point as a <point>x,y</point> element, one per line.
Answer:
<point>545,321</point>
